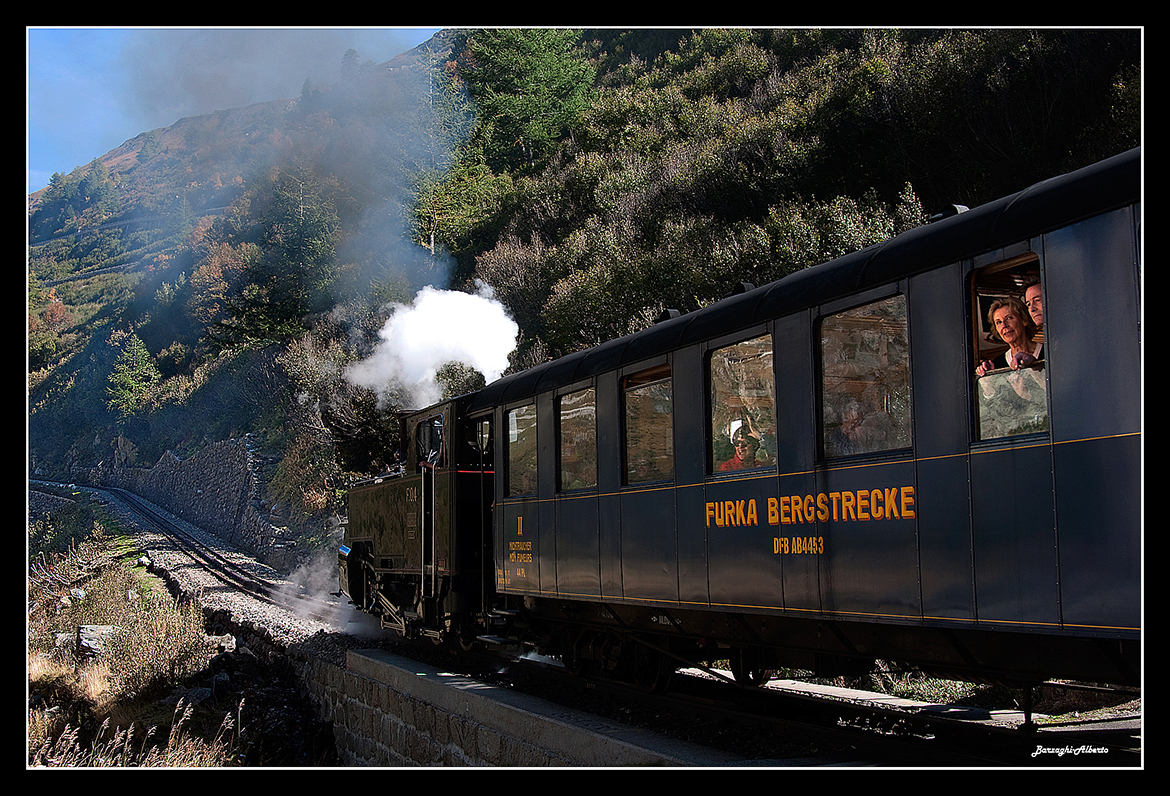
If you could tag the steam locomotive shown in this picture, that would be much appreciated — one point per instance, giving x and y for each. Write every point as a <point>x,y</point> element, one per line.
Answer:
<point>807,474</point>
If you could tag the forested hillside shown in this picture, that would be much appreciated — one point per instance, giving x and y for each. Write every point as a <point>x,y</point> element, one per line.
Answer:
<point>224,275</point>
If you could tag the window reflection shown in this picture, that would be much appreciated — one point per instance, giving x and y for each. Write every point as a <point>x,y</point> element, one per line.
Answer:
<point>578,440</point>
<point>743,406</point>
<point>1011,402</point>
<point>522,451</point>
<point>865,369</point>
<point>649,412</point>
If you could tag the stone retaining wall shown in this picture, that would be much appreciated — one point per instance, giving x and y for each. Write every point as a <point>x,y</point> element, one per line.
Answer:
<point>378,724</point>
<point>217,489</point>
<point>390,711</point>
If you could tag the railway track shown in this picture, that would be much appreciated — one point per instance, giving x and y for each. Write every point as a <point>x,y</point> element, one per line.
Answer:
<point>221,566</point>
<point>238,572</point>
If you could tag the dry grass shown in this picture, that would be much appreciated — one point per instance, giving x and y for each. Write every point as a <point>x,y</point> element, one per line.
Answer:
<point>89,708</point>
<point>121,748</point>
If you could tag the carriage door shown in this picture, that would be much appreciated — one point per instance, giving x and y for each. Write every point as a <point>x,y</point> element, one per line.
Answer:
<point>429,446</point>
<point>1013,520</point>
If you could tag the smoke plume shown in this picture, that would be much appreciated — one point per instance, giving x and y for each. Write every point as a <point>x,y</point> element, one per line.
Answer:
<point>438,327</point>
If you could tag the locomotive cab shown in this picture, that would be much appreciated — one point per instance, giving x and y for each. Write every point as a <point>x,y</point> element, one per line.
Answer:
<point>417,539</point>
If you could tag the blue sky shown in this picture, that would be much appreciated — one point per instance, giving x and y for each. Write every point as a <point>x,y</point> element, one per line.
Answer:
<point>91,89</point>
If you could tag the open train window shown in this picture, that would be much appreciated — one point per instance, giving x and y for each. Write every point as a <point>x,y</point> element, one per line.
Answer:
<point>482,438</point>
<point>865,379</point>
<point>649,431</point>
<point>521,462</point>
<point>743,406</point>
<point>428,439</point>
<point>1008,349</point>
<point>477,448</point>
<point>577,428</point>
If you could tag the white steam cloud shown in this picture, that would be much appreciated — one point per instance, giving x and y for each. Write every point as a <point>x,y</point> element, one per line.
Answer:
<point>438,327</point>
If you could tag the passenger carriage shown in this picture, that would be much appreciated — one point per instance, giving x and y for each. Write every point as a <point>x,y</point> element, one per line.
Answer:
<point>895,505</point>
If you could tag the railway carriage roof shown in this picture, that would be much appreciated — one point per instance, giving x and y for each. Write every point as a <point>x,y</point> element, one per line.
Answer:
<point>1048,205</point>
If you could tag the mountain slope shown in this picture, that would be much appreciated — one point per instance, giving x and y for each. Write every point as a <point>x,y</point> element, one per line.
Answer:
<point>118,246</point>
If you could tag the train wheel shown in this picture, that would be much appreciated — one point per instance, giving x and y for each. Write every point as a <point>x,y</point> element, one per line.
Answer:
<point>747,670</point>
<point>652,669</point>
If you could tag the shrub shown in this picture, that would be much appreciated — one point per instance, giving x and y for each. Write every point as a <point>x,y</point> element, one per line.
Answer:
<point>149,642</point>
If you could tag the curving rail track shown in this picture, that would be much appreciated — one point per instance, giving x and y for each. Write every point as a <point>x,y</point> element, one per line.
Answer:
<point>238,572</point>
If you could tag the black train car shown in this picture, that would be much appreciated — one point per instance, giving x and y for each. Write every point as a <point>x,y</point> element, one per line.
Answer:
<point>417,544</point>
<point>811,474</point>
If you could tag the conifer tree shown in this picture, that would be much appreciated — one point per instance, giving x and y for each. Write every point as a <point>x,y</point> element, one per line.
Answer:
<point>134,373</point>
<point>294,273</point>
<point>531,87</point>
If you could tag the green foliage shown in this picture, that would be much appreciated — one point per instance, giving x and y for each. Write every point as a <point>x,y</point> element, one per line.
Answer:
<point>456,210</point>
<point>744,155</point>
<point>298,231</point>
<point>452,119</point>
<point>82,198</point>
<point>459,379</point>
<point>168,292</point>
<point>174,359</point>
<point>48,320</point>
<point>134,375</point>
<point>531,87</point>
<point>219,272</point>
<point>591,179</point>
<point>150,146</point>
<point>348,419</point>
<point>308,478</point>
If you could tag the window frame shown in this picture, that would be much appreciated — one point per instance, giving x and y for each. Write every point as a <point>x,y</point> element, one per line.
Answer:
<point>510,444</point>
<point>427,454</point>
<point>985,284</point>
<point>644,377</point>
<point>714,459</point>
<point>898,426</point>
<point>562,449</point>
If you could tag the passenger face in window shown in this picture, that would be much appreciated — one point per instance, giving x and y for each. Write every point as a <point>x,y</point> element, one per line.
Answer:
<point>1009,326</point>
<point>743,403</point>
<point>1011,323</point>
<point>745,451</point>
<point>1035,304</point>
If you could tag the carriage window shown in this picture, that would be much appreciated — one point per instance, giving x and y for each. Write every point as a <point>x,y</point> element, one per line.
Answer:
<point>743,406</point>
<point>865,367</point>
<point>428,438</point>
<point>1009,381</point>
<point>577,413</point>
<point>522,451</point>
<point>649,426</point>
